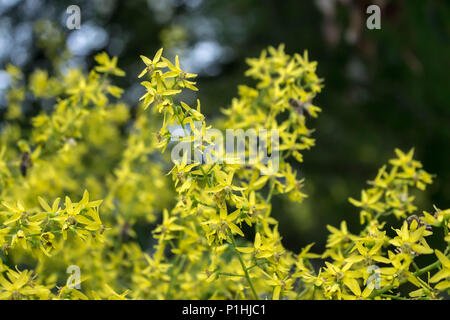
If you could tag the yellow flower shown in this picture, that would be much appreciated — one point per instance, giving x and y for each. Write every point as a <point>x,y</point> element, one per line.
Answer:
<point>156,94</point>
<point>113,295</point>
<point>444,273</point>
<point>181,76</point>
<point>107,65</point>
<point>411,240</point>
<point>14,72</point>
<point>337,236</point>
<point>152,65</point>
<point>167,227</point>
<point>225,184</point>
<point>257,65</point>
<point>358,294</point>
<point>367,254</point>
<point>405,160</point>
<point>369,200</point>
<point>218,226</point>
<point>19,285</point>
<point>259,249</point>
<point>280,285</point>
<point>438,218</point>
<point>344,275</point>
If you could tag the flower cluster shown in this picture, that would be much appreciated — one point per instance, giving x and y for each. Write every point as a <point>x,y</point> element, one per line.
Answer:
<point>218,200</point>
<point>373,264</point>
<point>216,238</point>
<point>75,142</point>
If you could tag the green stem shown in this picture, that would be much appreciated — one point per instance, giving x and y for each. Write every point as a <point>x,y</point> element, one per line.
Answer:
<point>178,264</point>
<point>300,293</point>
<point>416,274</point>
<point>272,187</point>
<point>244,268</point>
<point>206,205</point>
<point>392,297</point>
<point>428,268</point>
<point>256,265</point>
<point>230,274</point>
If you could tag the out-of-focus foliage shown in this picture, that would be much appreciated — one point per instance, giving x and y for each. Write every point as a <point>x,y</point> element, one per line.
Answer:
<point>83,142</point>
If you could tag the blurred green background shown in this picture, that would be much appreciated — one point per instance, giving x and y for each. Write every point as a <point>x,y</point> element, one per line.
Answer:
<point>383,88</point>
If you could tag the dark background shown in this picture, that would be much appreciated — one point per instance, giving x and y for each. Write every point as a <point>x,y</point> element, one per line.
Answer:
<point>383,88</point>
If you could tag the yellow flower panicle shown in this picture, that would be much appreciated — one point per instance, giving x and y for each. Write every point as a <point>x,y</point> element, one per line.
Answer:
<point>202,247</point>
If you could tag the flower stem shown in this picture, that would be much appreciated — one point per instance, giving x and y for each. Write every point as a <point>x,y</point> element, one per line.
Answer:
<point>272,187</point>
<point>178,264</point>
<point>392,297</point>
<point>244,268</point>
<point>230,274</point>
<point>416,274</point>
